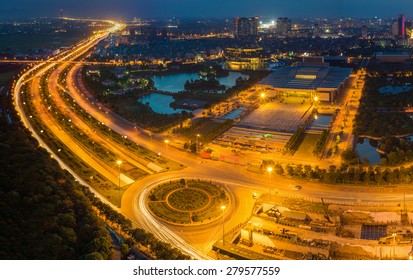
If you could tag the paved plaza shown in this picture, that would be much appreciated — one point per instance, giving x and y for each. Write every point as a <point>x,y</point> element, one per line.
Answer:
<point>277,117</point>
<point>268,127</point>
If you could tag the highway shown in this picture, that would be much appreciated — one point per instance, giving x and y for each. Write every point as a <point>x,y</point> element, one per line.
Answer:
<point>21,61</point>
<point>195,241</point>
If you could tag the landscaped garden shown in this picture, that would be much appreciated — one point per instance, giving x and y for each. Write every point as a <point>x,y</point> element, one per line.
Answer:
<point>188,202</point>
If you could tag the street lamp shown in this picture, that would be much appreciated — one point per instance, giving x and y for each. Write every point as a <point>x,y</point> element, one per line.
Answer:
<point>166,143</point>
<point>197,140</point>
<point>262,95</point>
<point>316,99</point>
<point>223,235</point>
<point>269,169</point>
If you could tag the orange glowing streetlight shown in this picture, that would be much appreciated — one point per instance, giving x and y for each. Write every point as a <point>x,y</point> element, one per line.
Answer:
<point>119,163</point>
<point>269,169</point>
<point>197,140</point>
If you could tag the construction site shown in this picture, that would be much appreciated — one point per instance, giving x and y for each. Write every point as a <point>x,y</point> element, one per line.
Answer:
<point>287,227</point>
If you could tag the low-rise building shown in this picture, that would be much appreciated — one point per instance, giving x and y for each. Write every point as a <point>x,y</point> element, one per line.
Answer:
<point>246,59</point>
<point>308,79</point>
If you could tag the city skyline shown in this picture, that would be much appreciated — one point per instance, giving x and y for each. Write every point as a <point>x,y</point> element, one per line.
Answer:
<point>183,8</point>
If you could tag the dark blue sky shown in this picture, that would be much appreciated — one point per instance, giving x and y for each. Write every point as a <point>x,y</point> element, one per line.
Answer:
<point>207,8</point>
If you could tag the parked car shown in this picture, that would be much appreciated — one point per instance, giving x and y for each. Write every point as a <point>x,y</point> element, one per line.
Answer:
<point>298,187</point>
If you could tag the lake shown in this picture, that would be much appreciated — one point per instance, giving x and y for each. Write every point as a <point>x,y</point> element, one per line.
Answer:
<point>159,103</point>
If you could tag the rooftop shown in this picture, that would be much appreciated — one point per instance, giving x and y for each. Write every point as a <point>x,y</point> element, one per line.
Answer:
<point>308,76</point>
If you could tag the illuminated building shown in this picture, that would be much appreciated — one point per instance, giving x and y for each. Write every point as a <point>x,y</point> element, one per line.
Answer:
<point>245,27</point>
<point>409,29</point>
<point>246,59</point>
<point>395,29</point>
<point>308,79</point>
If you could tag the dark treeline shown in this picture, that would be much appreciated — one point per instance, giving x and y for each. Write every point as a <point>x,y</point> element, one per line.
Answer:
<point>207,85</point>
<point>376,116</point>
<point>347,175</point>
<point>44,213</point>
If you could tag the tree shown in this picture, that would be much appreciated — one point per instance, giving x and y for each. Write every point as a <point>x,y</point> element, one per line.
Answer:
<point>193,147</point>
<point>350,157</point>
<point>124,250</point>
<point>279,169</point>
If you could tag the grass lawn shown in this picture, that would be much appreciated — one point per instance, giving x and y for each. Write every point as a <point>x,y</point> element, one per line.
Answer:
<point>164,212</point>
<point>206,128</point>
<point>307,146</point>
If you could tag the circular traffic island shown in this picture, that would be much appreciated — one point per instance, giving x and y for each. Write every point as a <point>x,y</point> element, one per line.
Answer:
<point>188,202</point>
<point>188,199</point>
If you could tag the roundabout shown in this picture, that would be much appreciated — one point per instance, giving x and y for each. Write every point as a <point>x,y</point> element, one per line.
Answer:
<point>188,202</point>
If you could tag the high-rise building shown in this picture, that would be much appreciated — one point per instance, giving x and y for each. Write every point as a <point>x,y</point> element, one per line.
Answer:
<point>364,32</point>
<point>283,26</point>
<point>395,29</point>
<point>246,27</point>
<point>401,26</point>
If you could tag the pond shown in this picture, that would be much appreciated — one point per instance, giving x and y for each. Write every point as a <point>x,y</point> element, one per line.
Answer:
<point>236,113</point>
<point>176,82</point>
<point>366,149</point>
<point>322,120</point>
<point>159,103</point>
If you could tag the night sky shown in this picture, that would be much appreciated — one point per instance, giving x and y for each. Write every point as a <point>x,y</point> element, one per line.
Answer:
<point>205,8</point>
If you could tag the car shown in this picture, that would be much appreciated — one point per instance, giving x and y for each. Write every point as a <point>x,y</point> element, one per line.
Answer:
<point>298,187</point>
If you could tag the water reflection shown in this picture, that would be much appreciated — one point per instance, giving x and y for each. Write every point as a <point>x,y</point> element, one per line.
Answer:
<point>366,148</point>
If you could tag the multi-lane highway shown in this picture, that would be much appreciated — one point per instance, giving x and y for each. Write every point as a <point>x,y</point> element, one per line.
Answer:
<point>195,241</point>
